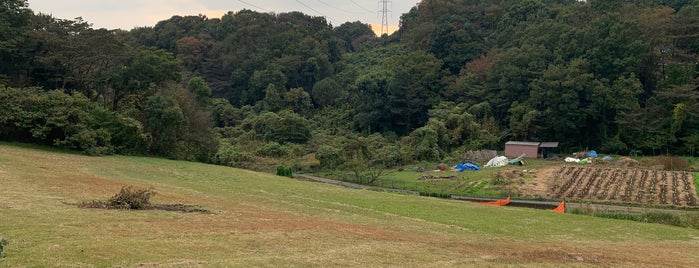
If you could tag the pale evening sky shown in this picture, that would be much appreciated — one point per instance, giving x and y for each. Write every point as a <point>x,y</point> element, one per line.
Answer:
<point>127,14</point>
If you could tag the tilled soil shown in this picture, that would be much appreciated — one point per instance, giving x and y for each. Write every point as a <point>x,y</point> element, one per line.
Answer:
<point>615,185</point>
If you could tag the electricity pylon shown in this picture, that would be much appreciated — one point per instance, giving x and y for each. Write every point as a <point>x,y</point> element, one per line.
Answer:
<point>383,4</point>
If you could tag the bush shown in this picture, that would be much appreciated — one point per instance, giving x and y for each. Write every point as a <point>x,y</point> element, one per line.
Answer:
<point>272,149</point>
<point>616,215</point>
<point>691,220</point>
<point>90,141</point>
<point>329,157</point>
<point>230,132</point>
<point>577,211</point>
<point>228,155</point>
<point>662,218</point>
<point>284,127</point>
<point>67,120</point>
<point>422,145</point>
<point>673,163</point>
<point>131,198</point>
<point>3,243</point>
<point>284,171</point>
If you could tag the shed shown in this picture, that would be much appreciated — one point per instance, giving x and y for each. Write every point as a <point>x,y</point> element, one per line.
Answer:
<point>549,144</point>
<point>547,148</point>
<point>518,148</point>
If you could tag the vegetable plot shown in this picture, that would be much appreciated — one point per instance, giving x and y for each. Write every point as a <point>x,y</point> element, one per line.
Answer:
<point>624,185</point>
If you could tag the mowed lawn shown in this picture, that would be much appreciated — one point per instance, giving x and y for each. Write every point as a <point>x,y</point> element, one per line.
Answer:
<point>269,221</point>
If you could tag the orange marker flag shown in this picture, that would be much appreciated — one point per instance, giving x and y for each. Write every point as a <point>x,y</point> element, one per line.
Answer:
<point>561,208</point>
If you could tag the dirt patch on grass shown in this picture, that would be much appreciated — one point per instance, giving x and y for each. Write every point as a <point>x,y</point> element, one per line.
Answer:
<point>303,238</point>
<point>538,185</point>
<point>130,197</point>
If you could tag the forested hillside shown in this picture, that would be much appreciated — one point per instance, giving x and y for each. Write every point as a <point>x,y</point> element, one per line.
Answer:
<point>613,75</point>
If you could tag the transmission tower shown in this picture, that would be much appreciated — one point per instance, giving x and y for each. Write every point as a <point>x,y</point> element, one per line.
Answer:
<point>383,8</point>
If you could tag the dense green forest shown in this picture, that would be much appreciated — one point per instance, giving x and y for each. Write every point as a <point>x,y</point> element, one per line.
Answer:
<point>619,76</point>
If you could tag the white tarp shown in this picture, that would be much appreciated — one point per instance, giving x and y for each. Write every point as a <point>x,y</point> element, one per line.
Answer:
<point>572,160</point>
<point>498,161</point>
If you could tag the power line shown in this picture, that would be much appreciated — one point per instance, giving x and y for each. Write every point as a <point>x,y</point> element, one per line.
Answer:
<point>337,8</point>
<point>265,10</point>
<point>355,3</point>
<point>316,11</point>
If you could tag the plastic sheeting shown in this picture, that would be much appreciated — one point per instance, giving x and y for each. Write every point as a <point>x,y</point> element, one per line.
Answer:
<point>498,161</point>
<point>572,160</point>
<point>501,202</point>
<point>466,166</point>
<point>580,161</point>
<point>592,153</point>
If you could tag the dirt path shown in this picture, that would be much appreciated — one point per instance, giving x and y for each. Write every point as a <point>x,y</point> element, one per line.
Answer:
<point>351,185</point>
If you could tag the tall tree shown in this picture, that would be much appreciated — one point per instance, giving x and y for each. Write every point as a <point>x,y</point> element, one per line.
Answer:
<point>166,124</point>
<point>563,95</point>
<point>511,73</point>
<point>354,34</point>
<point>15,22</point>
<point>455,42</point>
<point>146,68</point>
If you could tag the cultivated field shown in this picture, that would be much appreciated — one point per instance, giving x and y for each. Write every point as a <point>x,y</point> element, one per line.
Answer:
<point>625,185</point>
<point>269,221</point>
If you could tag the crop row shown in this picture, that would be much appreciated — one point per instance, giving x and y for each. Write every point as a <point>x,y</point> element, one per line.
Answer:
<point>623,185</point>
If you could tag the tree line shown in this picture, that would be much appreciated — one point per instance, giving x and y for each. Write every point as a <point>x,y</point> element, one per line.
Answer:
<point>612,75</point>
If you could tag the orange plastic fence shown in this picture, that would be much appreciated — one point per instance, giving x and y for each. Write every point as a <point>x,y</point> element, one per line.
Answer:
<point>501,202</point>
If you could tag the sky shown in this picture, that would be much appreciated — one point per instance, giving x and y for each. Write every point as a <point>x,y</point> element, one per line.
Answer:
<point>128,14</point>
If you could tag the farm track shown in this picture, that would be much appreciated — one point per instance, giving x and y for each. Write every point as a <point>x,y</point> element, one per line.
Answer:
<point>624,185</point>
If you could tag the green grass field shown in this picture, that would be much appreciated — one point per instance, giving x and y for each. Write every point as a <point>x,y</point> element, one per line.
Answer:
<point>264,220</point>
<point>471,183</point>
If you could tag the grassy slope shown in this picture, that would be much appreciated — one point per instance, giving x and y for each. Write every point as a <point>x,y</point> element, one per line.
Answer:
<point>264,220</point>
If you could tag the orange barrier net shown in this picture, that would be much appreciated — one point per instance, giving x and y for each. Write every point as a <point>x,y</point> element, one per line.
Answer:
<point>561,208</point>
<point>501,202</point>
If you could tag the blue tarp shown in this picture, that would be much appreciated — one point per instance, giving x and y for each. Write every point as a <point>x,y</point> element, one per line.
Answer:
<point>466,166</point>
<point>592,153</point>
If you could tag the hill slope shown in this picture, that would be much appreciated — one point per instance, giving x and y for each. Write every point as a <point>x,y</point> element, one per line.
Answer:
<point>264,220</point>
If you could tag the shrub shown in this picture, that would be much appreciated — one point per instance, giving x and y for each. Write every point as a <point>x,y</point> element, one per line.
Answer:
<point>69,121</point>
<point>272,149</point>
<point>661,217</point>
<point>577,211</point>
<point>284,127</point>
<point>422,145</point>
<point>229,132</point>
<point>90,141</point>
<point>691,220</point>
<point>131,198</point>
<point>284,171</point>
<point>228,155</point>
<point>673,163</point>
<point>3,243</point>
<point>616,215</point>
<point>329,157</point>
